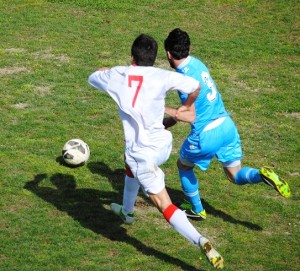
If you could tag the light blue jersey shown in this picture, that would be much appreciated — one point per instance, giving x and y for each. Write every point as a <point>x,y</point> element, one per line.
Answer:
<point>209,105</point>
<point>213,134</point>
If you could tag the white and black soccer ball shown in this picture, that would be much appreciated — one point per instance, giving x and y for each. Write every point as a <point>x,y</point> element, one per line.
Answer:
<point>76,152</point>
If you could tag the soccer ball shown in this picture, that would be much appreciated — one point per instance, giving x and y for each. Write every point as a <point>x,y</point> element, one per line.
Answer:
<point>76,152</point>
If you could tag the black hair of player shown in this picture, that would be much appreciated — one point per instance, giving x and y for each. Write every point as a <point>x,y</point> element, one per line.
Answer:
<point>178,43</point>
<point>144,50</point>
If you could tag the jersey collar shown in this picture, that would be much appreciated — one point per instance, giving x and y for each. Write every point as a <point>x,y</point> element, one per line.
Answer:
<point>184,63</point>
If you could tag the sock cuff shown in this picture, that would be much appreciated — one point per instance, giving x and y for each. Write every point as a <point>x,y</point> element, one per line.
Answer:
<point>169,211</point>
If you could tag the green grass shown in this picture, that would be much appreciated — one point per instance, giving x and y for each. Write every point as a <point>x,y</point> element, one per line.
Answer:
<point>57,218</point>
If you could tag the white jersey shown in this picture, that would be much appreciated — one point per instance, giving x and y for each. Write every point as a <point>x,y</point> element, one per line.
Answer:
<point>140,93</point>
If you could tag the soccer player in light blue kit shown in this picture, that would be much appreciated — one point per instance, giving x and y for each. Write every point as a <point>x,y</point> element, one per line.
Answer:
<point>213,133</point>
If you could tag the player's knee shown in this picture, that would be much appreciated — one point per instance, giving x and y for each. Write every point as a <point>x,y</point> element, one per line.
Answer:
<point>182,166</point>
<point>231,172</point>
<point>230,177</point>
<point>231,169</point>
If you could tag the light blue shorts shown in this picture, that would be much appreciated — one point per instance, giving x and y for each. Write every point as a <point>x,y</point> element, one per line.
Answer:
<point>222,142</point>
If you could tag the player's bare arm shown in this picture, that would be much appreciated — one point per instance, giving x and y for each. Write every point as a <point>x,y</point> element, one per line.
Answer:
<point>186,113</point>
<point>183,113</point>
<point>191,98</point>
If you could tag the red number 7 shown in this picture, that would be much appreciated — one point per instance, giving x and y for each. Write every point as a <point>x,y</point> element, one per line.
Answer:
<point>139,79</point>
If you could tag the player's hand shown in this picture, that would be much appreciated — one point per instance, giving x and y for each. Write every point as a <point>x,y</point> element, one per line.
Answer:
<point>182,108</point>
<point>186,113</point>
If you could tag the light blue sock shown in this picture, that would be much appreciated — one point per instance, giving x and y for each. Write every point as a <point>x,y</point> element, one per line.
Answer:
<point>190,188</point>
<point>247,175</point>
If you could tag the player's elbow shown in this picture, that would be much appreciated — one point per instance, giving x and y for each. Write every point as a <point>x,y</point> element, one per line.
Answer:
<point>91,80</point>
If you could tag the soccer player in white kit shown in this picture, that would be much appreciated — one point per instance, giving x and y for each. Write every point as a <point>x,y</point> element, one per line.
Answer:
<point>139,91</point>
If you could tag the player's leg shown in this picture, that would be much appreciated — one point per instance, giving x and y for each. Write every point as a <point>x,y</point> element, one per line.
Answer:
<point>131,189</point>
<point>197,150</point>
<point>232,152</point>
<point>190,187</point>
<point>175,216</point>
<point>241,175</point>
<point>178,220</point>
<point>247,175</point>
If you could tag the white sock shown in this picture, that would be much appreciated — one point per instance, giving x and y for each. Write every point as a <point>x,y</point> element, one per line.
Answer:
<point>181,224</point>
<point>131,190</point>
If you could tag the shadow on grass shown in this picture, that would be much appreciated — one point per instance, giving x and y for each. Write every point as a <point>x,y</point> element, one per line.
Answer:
<point>177,196</point>
<point>116,179</point>
<point>87,207</point>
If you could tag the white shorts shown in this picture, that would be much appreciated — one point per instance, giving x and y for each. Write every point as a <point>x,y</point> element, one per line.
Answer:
<point>144,164</point>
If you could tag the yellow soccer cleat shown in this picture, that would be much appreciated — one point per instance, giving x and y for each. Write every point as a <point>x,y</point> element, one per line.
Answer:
<point>190,213</point>
<point>187,208</point>
<point>272,179</point>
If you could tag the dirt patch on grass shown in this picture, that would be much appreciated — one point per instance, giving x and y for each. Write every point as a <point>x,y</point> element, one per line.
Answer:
<point>43,90</point>
<point>14,50</point>
<point>47,54</point>
<point>20,105</point>
<point>294,174</point>
<point>295,115</point>
<point>12,70</point>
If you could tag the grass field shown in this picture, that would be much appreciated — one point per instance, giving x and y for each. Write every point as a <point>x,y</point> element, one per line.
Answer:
<point>53,217</point>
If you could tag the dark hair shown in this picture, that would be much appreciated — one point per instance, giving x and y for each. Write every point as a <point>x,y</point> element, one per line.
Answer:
<point>144,50</point>
<point>178,43</point>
